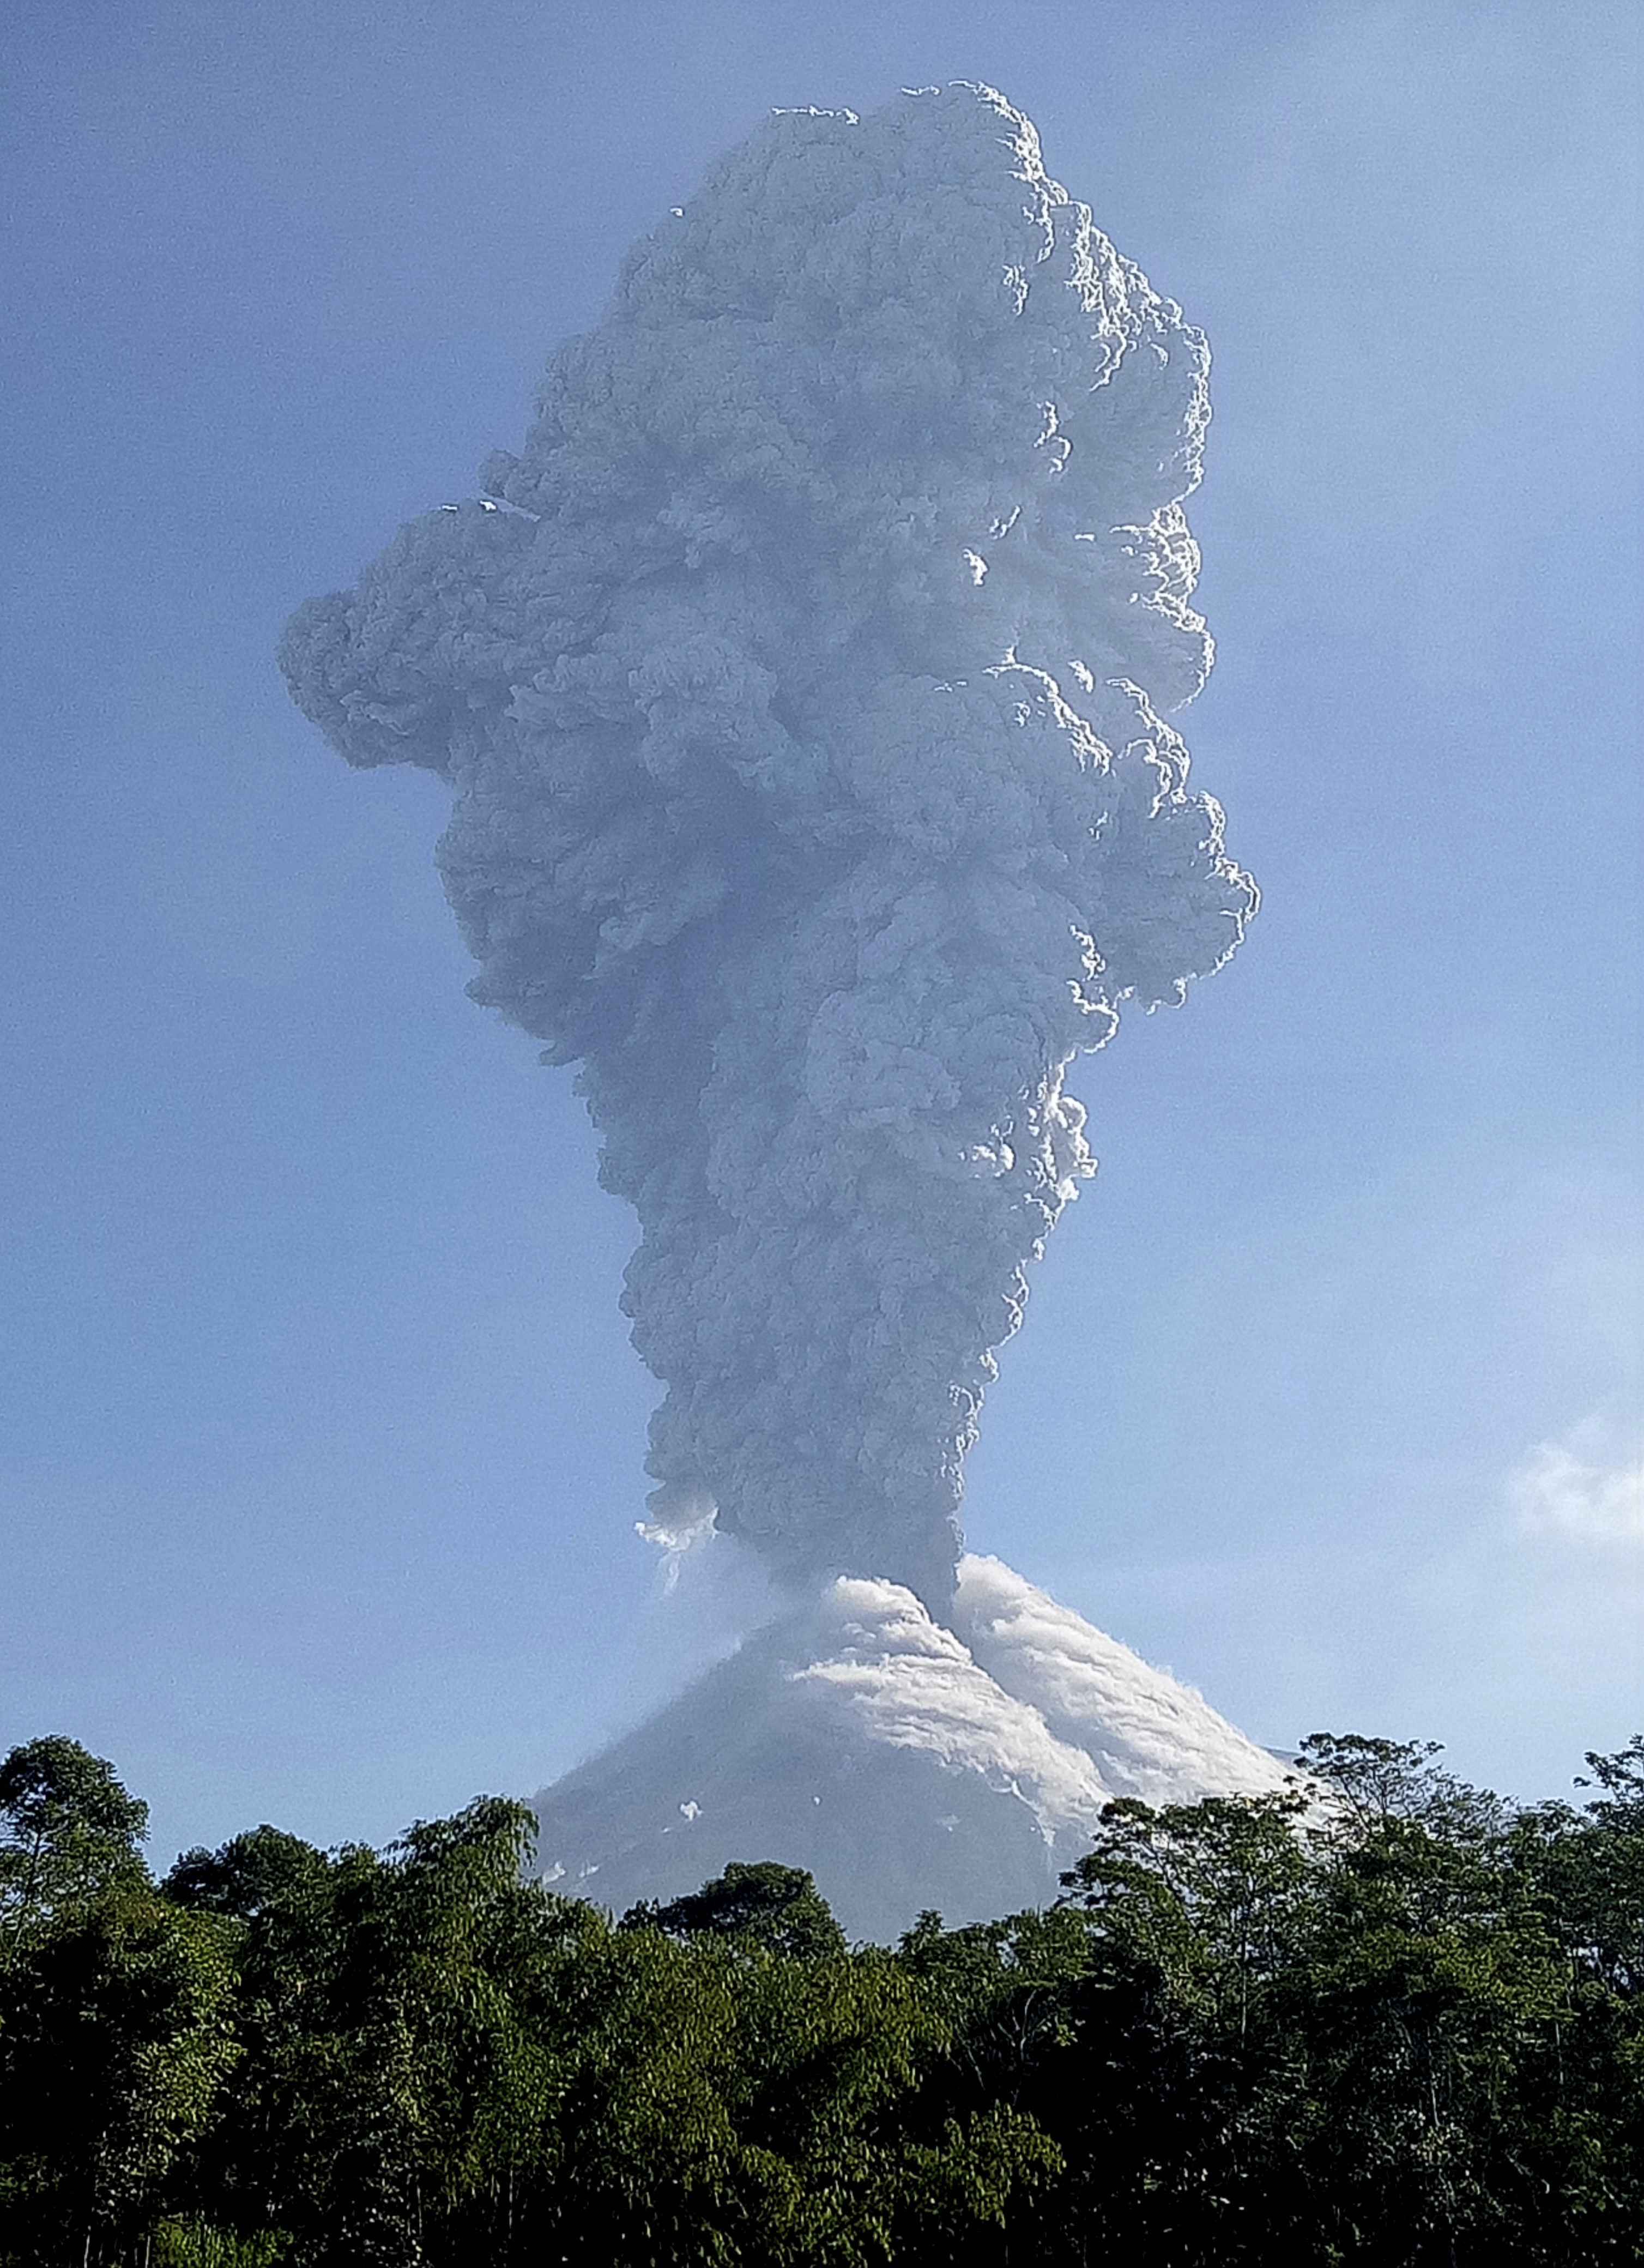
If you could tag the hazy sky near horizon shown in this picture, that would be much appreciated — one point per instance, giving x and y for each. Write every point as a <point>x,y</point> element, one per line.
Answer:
<point>321,1442</point>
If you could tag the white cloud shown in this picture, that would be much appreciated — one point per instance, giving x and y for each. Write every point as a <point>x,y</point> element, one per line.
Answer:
<point>1556,1493</point>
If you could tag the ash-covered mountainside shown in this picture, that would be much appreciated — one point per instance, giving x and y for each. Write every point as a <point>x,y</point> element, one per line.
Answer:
<point>907,1764</point>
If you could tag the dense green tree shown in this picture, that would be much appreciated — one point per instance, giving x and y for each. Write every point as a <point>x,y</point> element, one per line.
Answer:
<point>67,1829</point>
<point>1380,2017</point>
<point>776,1907</point>
<point>1373,1782</point>
<point>1172,2067</point>
<point>1206,1895</point>
<point>741,2102</point>
<point>1602,1884</point>
<point>117,2036</point>
<point>249,1874</point>
<point>392,2093</point>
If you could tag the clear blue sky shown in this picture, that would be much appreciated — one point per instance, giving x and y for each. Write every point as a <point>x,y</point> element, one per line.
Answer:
<point>320,1442</point>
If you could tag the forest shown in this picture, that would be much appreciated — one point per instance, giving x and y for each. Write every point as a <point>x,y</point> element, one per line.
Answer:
<point>1380,2017</point>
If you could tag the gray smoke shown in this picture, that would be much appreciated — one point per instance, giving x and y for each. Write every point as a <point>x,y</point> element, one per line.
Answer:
<point>799,688</point>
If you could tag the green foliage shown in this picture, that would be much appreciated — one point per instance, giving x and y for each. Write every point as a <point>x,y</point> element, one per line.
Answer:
<point>195,2243</point>
<point>67,1828</point>
<point>1380,2018</point>
<point>741,2091</point>
<point>251,1873</point>
<point>777,1908</point>
<point>116,2038</point>
<point>1205,1895</point>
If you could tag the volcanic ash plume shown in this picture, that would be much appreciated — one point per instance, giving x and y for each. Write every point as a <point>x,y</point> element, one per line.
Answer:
<point>799,687</point>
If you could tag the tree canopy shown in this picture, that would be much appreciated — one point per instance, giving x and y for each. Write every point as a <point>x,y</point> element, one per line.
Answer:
<point>1380,2017</point>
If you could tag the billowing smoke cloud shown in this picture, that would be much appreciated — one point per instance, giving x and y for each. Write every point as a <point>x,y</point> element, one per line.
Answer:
<point>799,686</point>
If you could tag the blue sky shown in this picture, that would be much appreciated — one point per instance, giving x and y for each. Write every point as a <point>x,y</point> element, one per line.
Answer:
<point>320,1442</point>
